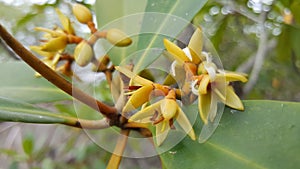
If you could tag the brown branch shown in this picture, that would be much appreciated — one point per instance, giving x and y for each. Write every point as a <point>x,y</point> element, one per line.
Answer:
<point>55,78</point>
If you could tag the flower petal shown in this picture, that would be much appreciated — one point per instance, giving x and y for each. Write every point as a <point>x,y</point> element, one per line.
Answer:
<point>145,113</point>
<point>138,98</point>
<point>204,102</point>
<point>232,100</point>
<point>168,108</point>
<point>203,84</point>
<point>55,44</point>
<point>177,53</point>
<point>161,134</point>
<point>195,46</point>
<point>233,76</point>
<point>185,124</point>
<point>136,78</point>
<point>65,21</point>
<point>213,108</point>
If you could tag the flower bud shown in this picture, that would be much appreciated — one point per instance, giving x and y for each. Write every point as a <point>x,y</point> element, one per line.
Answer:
<point>82,13</point>
<point>83,53</point>
<point>118,38</point>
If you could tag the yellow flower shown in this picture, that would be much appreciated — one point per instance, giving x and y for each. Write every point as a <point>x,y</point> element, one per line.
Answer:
<point>144,88</point>
<point>66,23</point>
<point>162,114</point>
<point>192,53</point>
<point>56,40</point>
<point>214,86</point>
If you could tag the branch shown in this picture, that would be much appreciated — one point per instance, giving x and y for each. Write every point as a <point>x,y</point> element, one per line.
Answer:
<point>116,157</point>
<point>260,56</point>
<point>88,124</point>
<point>55,78</point>
<point>246,66</point>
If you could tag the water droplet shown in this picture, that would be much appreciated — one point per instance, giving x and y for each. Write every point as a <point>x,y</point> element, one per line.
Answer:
<point>186,14</point>
<point>153,4</point>
<point>172,152</point>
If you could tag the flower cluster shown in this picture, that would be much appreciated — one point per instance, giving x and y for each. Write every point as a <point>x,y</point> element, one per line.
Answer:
<point>56,40</point>
<point>202,80</point>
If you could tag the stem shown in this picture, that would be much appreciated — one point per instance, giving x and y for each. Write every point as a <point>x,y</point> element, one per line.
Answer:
<point>88,124</point>
<point>55,78</point>
<point>116,157</point>
<point>260,56</point>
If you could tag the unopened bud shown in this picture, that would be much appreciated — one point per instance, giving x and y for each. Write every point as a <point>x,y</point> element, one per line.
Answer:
<point>83,53</point>
<point>82,13</point>
<point>118,38</point>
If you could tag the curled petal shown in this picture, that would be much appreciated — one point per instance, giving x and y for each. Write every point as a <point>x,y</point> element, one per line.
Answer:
<point>207,57</point>
<point>185,124</point>
<point>211,70</point>
<point>194,90</point>
<point>145,113</point>
<point>232,100</point>
<point>173,66</point>
<point>203,85</point>
<point>176,52</point>
<point>204,102</point>
<point>162,130</point>
<point>136,78</point>
<point>139,97</point>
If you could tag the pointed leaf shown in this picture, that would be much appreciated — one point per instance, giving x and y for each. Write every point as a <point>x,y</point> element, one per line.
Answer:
<point>265,135</point>
<point>18,82</point>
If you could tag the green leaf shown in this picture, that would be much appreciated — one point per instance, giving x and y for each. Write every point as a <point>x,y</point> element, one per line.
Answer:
<point>124,15</point>
<point>18,82</point>
<point>166,19</point>
<point>265,135</point>
<point>160,19</point>
<point>28,144</point>
<point>16,111</point>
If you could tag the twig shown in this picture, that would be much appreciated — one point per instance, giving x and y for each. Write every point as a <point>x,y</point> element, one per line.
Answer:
<point>116,157</point>
<point>248,64</point>
<point>260,56</point>
<point>55,78</point>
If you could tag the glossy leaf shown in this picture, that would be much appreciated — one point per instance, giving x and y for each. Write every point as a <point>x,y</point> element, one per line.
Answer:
<point>158,26</point>
<point>16,111</point>
<point>18,82</point>
<point>125,15</point>
<point>265,135</point>
<point>160,19</point>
